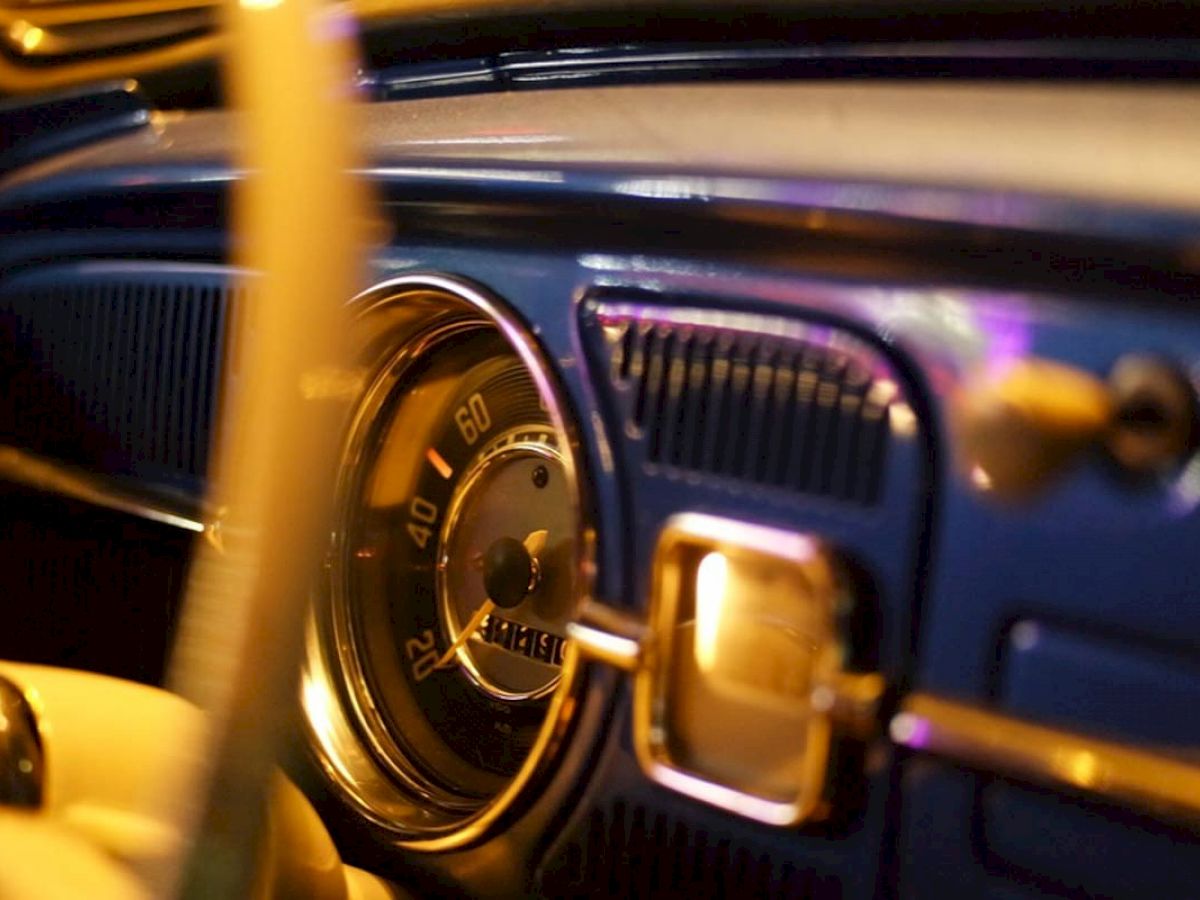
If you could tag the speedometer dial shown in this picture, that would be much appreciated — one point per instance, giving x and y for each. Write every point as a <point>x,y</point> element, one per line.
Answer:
<point>457,567</point>
<point>505,584</point>
<point>463,459</point>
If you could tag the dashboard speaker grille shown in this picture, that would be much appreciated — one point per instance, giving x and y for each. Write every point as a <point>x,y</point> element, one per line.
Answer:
<point>115,368</point>
<point>753,399</point>
<point>627,850</point>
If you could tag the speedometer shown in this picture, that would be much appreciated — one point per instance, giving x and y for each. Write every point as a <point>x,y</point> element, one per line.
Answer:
<point>456,566</point>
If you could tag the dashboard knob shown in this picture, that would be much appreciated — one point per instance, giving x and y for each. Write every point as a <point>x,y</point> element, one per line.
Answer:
<point>1018,429</point>
<point>1154,425</point>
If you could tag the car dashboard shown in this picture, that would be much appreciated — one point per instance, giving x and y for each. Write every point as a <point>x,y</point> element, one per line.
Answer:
<point>731,403</point>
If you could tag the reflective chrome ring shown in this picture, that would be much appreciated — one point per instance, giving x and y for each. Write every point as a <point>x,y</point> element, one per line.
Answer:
<point>359,755</point>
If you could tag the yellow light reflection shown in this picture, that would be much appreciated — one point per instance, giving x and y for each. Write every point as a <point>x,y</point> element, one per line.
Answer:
<point>1084,769</point>
<point>711,577</point>
<point>980,478</point>
<point>883,391</point>
<point>27,35</point>
<point>903,420</point>
<point>318,705</point>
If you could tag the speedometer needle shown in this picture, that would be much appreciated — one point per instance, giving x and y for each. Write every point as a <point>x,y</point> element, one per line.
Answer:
<point>510,573</point>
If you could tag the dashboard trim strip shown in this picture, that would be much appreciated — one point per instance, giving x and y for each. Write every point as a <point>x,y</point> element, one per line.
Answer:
<point>33,471</point>
<point>1105,770</point>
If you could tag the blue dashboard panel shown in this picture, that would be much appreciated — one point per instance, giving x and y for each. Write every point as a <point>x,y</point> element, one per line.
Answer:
<point>930,335</point>
<point>1056,846</point>
<point>1096,552</point>
<point>874,528</point>
<point>936,283</point>
<point>1116,687</point>
<point>1095,549</point>
<point>1109,566</point>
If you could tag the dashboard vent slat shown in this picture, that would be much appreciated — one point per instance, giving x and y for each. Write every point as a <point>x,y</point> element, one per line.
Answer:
<point>800,408</point>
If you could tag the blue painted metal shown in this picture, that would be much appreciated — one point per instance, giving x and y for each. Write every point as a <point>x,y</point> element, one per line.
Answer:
<point>37,128</point>
<point>955,569</point>
<point>1094,551</point>
<point>1056,845</point>
<point>1099,684</point>
<point>37,202</point>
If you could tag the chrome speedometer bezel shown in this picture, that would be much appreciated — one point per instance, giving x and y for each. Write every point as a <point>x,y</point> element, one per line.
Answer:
<point>367,765</point>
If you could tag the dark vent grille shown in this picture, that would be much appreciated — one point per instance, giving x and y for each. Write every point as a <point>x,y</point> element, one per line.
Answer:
<point>115,370</point>
<point>626,850</point>
<point>765,409</point>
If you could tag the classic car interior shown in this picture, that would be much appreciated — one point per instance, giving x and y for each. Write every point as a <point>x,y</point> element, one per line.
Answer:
<point>585,449</point>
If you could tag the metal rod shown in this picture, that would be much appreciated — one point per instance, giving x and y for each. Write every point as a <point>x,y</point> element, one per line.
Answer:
<point>1152,781</point>
<point>32,471</point>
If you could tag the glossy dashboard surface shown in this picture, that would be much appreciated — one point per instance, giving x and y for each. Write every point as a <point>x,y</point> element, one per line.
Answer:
<point>944,228</point>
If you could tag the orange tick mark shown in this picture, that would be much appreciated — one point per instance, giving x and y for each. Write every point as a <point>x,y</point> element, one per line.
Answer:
<point>435,459</point>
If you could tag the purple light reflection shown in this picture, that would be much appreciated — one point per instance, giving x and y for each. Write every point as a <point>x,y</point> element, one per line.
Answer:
<point>1005,330</point>
<point>912,731</point>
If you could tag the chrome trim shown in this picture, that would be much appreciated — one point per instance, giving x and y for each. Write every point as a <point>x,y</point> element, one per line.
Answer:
<point>651,741</point>
<point>22,768</point>
<point>349,680</point>
<point>837,702</point>
<point>1053,757</point>
<point>33,471</point>
<point>611,636</point>
<point>852,701</point>
<point>395,798</point>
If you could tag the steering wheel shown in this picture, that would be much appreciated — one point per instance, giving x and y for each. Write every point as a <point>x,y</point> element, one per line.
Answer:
<point>297,217</point>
